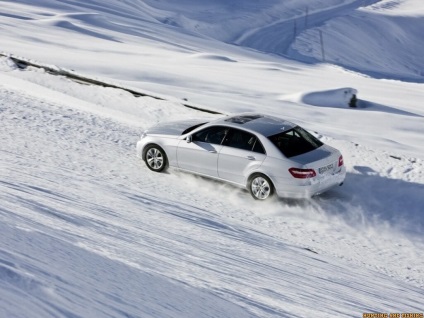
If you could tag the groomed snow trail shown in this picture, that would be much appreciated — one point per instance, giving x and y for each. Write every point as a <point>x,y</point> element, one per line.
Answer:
<point>72,189</point>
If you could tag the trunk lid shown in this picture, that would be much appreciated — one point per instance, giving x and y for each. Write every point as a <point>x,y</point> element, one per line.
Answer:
<point>324,160</point>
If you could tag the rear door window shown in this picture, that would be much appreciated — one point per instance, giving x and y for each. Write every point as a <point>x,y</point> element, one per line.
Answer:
<point>243,140</point>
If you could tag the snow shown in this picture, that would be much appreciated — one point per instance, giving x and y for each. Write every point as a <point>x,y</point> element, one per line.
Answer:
<point>369,32</point>
<point>340,97</point>
<point>88,231</point>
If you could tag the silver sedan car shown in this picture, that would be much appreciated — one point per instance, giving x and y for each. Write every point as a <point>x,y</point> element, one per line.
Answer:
<point>266,155</point>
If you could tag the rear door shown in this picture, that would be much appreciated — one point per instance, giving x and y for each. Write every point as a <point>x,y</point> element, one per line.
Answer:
<point>201,154</point>
<point>242,152</point>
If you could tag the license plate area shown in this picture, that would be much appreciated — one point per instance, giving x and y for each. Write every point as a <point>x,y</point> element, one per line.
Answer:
<point>326,169</point>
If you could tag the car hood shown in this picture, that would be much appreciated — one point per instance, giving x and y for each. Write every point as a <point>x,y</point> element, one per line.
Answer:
<point>173,128</point>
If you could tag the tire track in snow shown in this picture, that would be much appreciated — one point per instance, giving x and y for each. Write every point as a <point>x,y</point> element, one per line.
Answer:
<point>277,37</point>
<point>82,167</point>
<point>92,150</point>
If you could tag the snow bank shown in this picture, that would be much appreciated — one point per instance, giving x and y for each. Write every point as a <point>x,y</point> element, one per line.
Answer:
<point>340,97</point>
<point>7,64</point>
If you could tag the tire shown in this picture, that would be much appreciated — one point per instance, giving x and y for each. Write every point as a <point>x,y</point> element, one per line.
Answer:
<point>155,158</point>
<point>260,187</point>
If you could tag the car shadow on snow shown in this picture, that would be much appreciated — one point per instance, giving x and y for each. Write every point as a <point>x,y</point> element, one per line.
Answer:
<point>362,105</point>
<point>371,106</point>
<point>367,200</point>
<point>364,200</point>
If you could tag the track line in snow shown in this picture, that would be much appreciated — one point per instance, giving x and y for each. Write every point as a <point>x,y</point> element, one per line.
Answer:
<point>23,63</point>
<point>264,38</point>
<point>95,150</point>
<point>73,176</point>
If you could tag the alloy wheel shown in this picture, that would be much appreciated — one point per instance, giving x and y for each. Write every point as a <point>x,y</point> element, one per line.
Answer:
<point>155,158</point>
<point>261,188</point>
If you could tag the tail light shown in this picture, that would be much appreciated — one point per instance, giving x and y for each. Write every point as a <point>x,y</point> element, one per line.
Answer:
<point>302,173</point>
<point>340,161</point>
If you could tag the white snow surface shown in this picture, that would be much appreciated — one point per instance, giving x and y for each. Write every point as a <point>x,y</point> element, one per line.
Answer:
<point>340,97</point>
<point>88,231</point>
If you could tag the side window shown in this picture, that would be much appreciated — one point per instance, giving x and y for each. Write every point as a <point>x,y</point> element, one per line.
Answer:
<point>258,147</point>
<point>212,135</point>
<point>243,140</point>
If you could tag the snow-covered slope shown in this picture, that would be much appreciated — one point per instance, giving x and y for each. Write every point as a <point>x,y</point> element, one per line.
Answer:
<point>74,196</point>
<point>384,40</point>
<point>85,226</point>
<point>128,43</point>
<point>381,38</point>
<point>87,230</point>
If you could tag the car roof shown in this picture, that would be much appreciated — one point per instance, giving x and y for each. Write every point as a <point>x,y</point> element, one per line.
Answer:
<point>260,123</point>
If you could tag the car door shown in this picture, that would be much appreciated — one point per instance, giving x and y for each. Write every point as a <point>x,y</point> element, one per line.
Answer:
<point>241,154</point>
<point>201,154</point>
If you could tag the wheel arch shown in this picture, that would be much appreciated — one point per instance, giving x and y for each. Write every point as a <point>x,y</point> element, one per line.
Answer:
<point>146,146</point>
<point>252,174</point>
<point>263,190</point>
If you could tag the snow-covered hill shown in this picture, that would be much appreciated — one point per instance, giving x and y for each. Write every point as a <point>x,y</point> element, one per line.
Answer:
<point>87,228</point>
<point>88,231</point>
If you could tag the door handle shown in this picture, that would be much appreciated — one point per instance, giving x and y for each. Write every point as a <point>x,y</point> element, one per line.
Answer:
<point>251,158</point>
<point>212,151</point>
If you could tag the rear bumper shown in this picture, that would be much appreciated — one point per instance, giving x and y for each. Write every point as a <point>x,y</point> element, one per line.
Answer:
<point>310,187</point>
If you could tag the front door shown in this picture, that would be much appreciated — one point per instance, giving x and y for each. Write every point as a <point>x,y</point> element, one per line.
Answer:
<point>201,154</point>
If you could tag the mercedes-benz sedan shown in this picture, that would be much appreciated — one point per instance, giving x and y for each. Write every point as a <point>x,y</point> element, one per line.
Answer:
<point>264,154</point>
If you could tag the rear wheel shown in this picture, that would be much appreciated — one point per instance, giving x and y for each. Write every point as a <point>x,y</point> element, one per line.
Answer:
<point>260,187</point>
<point>155,158</point>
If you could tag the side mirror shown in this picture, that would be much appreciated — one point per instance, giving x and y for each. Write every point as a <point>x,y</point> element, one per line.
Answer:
<point>189,139</point>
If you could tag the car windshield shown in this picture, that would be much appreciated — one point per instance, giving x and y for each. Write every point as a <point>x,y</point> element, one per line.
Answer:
<point>192,128</point>
<point>295,142</point>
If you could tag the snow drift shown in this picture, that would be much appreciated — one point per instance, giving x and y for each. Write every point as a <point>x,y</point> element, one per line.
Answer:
<point>340,97</point>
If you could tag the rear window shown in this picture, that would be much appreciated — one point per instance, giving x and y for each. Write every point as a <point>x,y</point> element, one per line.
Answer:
<point>295,142</point>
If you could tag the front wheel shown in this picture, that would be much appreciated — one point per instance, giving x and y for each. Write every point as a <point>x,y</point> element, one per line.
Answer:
<point>260,187</point>
<point>155,158</point>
